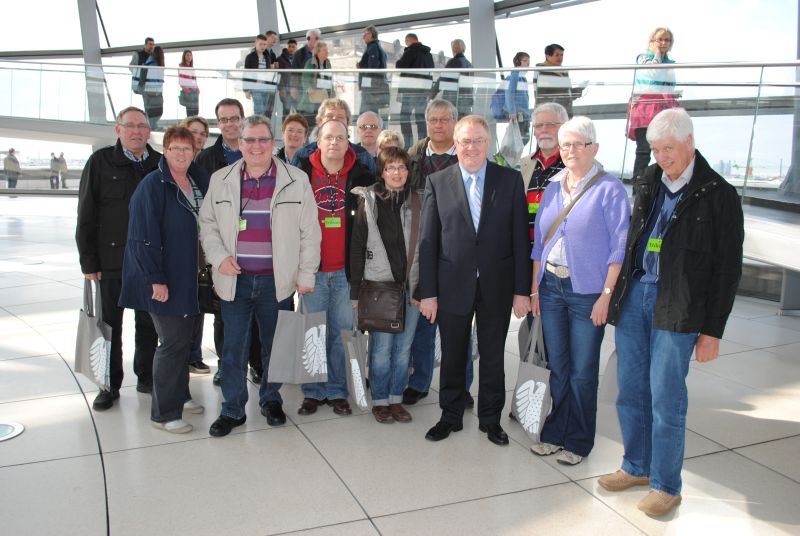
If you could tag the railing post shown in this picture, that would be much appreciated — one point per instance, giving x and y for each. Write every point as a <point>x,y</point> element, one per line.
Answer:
<point>749,163</point>
<point>95,77</point>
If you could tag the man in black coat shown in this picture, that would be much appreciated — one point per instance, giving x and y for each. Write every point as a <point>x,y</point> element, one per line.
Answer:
<point>301,56</point>
<point>109,178</point>
<point>474,260</point>
<point>414,88</point>
<point>374,87</point>
<point>261,87</point>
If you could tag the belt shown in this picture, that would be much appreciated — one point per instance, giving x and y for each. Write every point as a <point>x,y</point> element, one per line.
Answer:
<point>562,272</point>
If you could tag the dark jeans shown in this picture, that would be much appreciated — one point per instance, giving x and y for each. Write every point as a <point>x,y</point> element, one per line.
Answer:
<point>412,110</point>
<point>171,365</point>
<point>146,338</point>
<point>642,152</point>
<point>422,358</point>
<point>263,101</point>
<point>254,355</point>
<point>11,178</point>
<point>54,182</point>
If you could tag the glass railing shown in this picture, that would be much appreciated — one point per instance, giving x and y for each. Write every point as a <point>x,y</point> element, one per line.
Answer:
<point>745,115</point>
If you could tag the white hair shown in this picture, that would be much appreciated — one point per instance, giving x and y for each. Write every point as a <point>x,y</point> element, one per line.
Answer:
<point>671,123</point>
<point>553,108</point>
<point>580,125</point>
<point>312,32</point>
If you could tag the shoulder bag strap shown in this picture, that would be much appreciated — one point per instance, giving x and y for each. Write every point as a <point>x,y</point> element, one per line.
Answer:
<point>552,231</point>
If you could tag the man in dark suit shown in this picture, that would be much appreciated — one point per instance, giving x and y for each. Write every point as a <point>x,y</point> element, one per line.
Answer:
<point>474,252</point>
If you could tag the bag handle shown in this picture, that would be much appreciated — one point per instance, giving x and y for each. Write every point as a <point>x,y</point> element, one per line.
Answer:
<point>552,230</point>
<point>88,300</point>
<point>537,341</point>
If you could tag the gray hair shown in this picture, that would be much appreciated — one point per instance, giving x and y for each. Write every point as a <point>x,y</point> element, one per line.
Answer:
<point>441,105</point>
<point>313,31</point>
<point>129,109</point>
<point>254,121</point>
<point>553,108</point>
<point>390,135</point>
<point>671,123</point>
<point>371,30</point>
<point>580,125</point>
<point>370,113</point>
<point>458,46</point>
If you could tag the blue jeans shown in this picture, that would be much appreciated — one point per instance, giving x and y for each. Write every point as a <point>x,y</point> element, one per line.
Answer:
<point>652,365</point>
<point>389,355</point>
<point>263,102</point>
<point>422,358</point>
<point>332,295</point>
<point>573,349</point>
<point>255,295</point>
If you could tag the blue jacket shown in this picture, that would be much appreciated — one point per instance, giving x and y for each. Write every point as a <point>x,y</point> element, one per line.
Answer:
<point>162,245</point>
<point>517,95</point>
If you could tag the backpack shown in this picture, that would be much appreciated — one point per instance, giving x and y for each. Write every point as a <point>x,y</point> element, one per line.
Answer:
<point>499,104</point>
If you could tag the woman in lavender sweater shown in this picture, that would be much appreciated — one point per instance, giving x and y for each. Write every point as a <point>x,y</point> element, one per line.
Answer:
<point>574,273</point>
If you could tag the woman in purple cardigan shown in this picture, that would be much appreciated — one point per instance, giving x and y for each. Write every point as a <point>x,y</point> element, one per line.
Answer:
<point>575,269</point>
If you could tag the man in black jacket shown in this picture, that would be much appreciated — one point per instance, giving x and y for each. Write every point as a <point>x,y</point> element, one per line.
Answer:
<point>138,59</point>
<point>414,88</point>
<point>374,88</point>
<point>261,86</point>
<point>301,56</point>
<point>682,266</point>
<point>109,178</point>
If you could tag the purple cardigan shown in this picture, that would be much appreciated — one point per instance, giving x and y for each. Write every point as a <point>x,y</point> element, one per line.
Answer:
<point>596,231</point>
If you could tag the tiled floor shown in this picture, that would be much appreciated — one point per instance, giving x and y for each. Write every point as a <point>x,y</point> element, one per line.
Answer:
<point>77,472</point>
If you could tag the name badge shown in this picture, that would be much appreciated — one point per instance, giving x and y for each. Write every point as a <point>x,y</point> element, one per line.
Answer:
<point>533,208</point>
<point>654,244</point>
<point>333,222</point>
<point>242,224</point>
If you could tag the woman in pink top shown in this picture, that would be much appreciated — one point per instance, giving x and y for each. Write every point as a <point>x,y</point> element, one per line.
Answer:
<point>190,92</point>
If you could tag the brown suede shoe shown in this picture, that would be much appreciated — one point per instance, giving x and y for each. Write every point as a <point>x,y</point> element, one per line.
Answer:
<point>399,413</point>
<point>340,406</point>
<point>382,414</point>
<point>621,480</point>
<point>659,503</point>
<point>309,406</point>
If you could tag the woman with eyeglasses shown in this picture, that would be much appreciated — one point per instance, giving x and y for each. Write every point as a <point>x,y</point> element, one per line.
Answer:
<point>159,273</point>
<point>653,91</point>
<point>294,132</point>
<point>316,86</point>
<point>383,234</point>
<point>579,244</point>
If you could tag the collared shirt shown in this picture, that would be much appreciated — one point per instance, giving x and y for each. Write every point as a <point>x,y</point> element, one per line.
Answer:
<point>430,152</point>
<point>130,156</point>
<point>254,241</point>
<point>683,179</point>
<point>558,255</point>
<point>231,155</point>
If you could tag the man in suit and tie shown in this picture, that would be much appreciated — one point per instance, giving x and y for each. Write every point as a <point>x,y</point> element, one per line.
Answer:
<point>474,251</point>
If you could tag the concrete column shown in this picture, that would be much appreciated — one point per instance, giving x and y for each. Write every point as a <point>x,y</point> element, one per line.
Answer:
<point>482,31</point>
<point>267,15</point>
<point>95,77</point>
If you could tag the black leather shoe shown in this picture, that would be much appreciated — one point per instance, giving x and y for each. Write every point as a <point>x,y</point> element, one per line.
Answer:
<point>470,401</point>
<point>412,396</point>
<point>223,425</point>
<point>255,376</point>
<point>274,414</point>
<point>105,399</point>
<point>216,380</point>
<point>495,433</point>
<point>442,430</point>
<point>146,388</point>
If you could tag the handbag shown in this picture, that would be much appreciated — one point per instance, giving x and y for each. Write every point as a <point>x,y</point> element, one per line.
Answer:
<point>206,297</point>
<point>299,352</point>
<point>93,341</point>
<point>355,356</point>
<point>382,304</point>
<point>511,147</point>
<point>532,402</point>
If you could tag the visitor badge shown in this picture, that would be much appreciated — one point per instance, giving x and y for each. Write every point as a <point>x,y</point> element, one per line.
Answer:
<point>242,224</point>
<point>533,208</point>
<point>654,244</point>
<point>333,222</point>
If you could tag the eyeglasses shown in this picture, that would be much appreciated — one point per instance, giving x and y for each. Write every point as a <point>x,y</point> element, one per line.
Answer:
<point>578,146</point>
<point>261,141</point>
<point>135,126</point>
<point>439,120</point>
<point>477,142</point>
<point>395,169</point>
<point>547,124</point>
<point>226,120</point>
<point>367,127</point>
<point>330,138</point>
<point>175,149</point>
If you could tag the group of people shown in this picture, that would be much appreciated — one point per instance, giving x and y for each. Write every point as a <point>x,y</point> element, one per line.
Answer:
<point>58,171</point>
<point>468,240</point>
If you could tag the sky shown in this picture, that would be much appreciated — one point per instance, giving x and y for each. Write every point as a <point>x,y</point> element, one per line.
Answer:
<point>602,32</point>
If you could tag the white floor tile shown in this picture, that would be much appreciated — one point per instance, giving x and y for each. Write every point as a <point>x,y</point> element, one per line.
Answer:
<point>35,377</point>
<point>38,293</point>
<point>750,333</point>
<point>759,369</point>
<point>780,455</point>
<point>355,528</point>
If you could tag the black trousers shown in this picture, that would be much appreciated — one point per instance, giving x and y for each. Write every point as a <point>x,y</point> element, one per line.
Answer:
<point>146,338</point>
<point>642,152</point>
<point>171,365</point>
<point>455,331</point>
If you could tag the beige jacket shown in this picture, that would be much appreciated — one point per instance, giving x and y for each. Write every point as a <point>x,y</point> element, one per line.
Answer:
<point>296,234</point>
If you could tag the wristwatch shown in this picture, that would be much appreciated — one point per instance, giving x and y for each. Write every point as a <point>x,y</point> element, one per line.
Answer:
<point>607,290</point>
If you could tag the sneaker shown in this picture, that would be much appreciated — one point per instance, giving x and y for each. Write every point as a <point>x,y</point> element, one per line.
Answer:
<point>190,406</point>
<point>178,426</point>
<point>568,458</point>
<point>621,480</point>
<point>544,449</point>
<point>659,503</point>
<point>199,368</point>
<point>105,399</point>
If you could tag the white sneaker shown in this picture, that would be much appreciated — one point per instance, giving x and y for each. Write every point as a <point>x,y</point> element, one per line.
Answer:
<point>568,458</point>
<point>544,449</point>
<point>178,426</point>
<point>190,406</point>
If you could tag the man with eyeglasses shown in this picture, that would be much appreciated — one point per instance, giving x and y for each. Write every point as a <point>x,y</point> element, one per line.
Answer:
<point>107,183</point>
<point>473,254</point>
<point>333,171</point>
<point>223,153</point>
<point>260,234</point>
<point>369,125</point>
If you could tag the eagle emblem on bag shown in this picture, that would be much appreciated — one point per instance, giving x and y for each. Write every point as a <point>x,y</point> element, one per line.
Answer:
<point>358,385</point>
<point>314,357</point>
<point>99,355</point>
<point>529,400</point>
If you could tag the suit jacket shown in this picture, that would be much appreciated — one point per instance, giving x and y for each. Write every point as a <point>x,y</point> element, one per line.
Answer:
<point>451,252</point>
